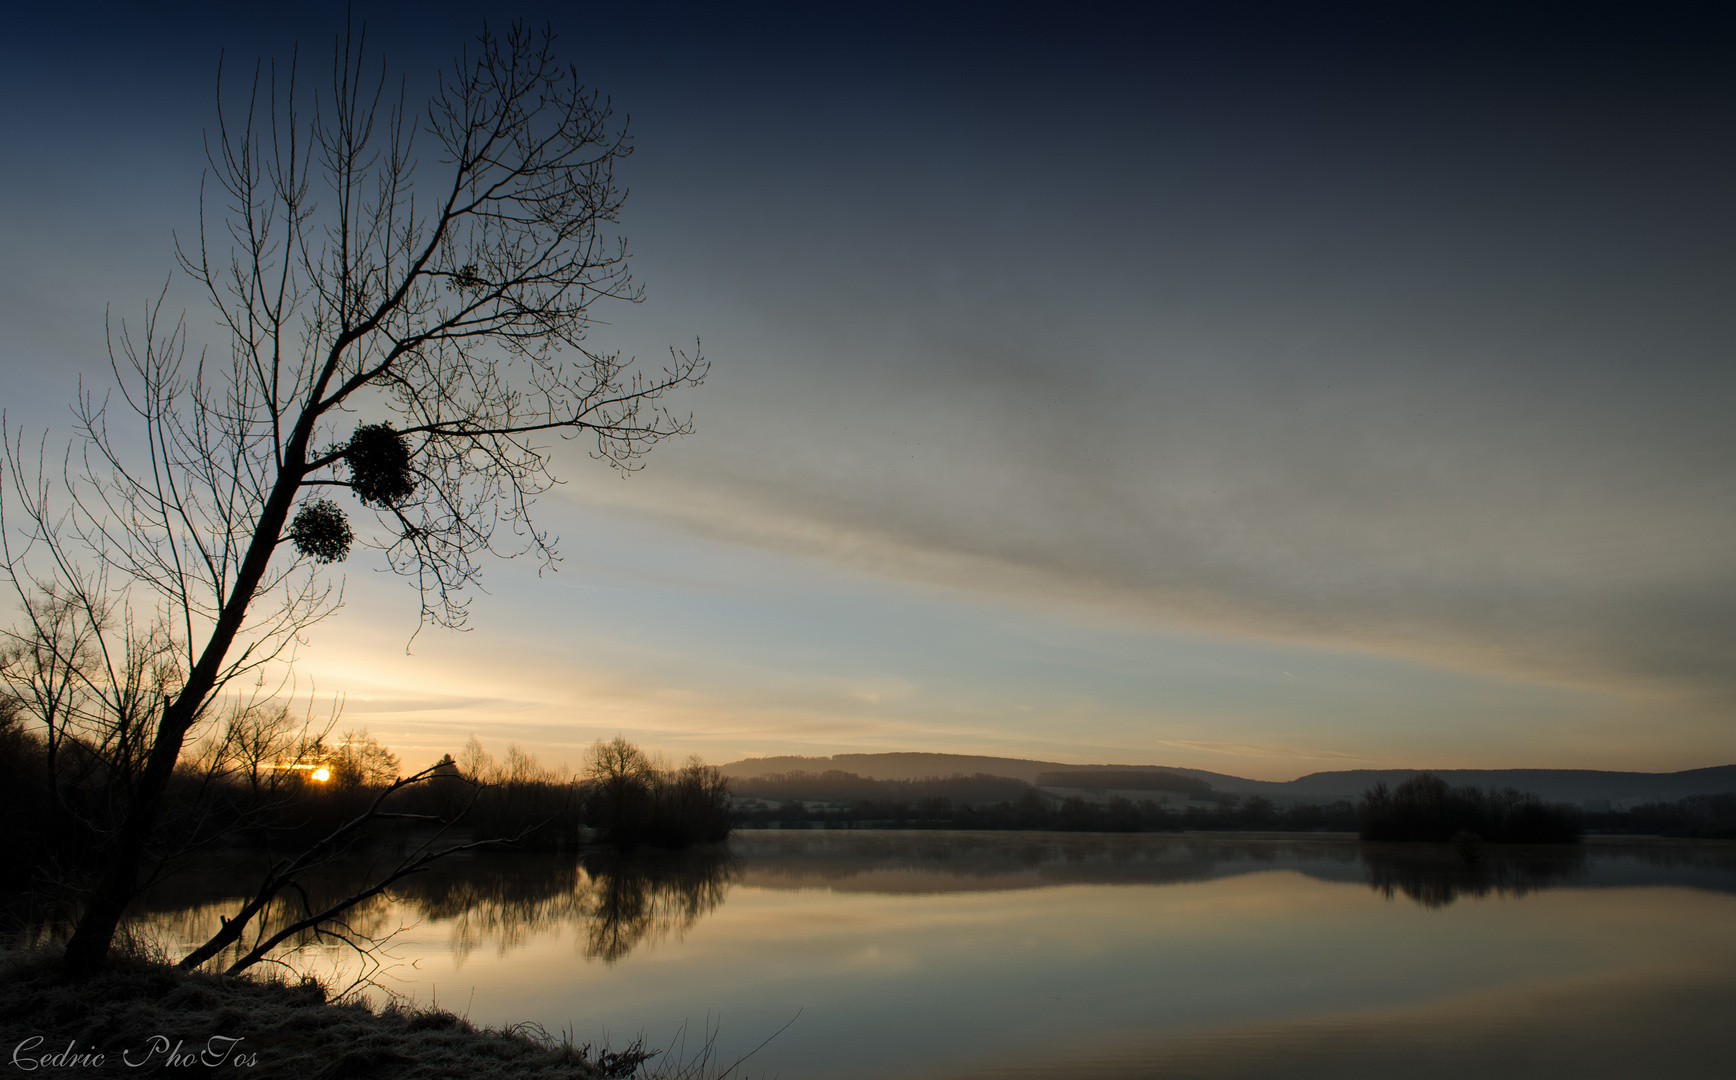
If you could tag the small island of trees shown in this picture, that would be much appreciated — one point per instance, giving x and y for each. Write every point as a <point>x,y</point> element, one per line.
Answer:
<point>1427,808</point>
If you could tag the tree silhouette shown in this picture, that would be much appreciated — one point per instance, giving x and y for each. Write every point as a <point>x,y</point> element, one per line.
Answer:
<point>407,297</point>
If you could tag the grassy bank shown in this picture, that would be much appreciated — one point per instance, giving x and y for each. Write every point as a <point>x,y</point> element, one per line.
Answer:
<point>139,1015</point>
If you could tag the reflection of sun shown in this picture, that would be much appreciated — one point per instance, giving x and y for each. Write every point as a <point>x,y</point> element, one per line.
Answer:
<point>322,774</point>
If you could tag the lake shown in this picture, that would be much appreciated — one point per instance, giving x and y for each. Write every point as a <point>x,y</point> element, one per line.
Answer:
<point>953,954</point>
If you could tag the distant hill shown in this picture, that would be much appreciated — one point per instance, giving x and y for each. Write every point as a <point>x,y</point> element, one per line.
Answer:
<point>834,786</point>
<point>1556,785</point>
<point>915,766</point>
<point>1124,780</point>
<point>892,766</point>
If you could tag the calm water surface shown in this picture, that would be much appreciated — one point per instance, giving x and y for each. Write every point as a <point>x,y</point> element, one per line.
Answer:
<point>939,954</point>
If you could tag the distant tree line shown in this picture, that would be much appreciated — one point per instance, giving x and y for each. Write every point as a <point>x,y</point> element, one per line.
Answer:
<point>1423,808</point>
<point>636,801</point>
<point>983,801</point>
<point>1127,780</point>
<point>835,786</point>
<point>1706,817</point>
<point>977,789</point>
<point>1427,808</point>
<point>265,780</point>
<point>1033,811</point>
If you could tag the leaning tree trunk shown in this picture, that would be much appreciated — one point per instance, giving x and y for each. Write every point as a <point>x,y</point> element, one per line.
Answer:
<point>88,948</point>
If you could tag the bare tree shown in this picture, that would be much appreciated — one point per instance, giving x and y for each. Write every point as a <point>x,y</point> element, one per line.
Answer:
<point>360,760</point>
<point>265,746</point>
<point>407,297</point>
<point>91,679</point>
<point>476,763</point>
<point>622,779</point>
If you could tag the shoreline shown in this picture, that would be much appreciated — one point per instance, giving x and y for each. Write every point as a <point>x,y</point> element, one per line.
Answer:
<point>147,1018</point>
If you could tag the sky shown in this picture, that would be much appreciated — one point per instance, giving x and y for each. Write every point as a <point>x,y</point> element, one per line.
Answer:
<point>1263,388</point>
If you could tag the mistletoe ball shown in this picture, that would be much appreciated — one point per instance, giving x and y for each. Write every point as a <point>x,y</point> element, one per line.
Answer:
<point>321,532</point>
<point>379,460</point>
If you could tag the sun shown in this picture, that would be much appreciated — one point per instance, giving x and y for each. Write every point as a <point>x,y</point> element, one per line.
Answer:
<point>322,774</point>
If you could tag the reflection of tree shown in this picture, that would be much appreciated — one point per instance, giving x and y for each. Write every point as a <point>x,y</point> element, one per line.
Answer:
<point>1715,857</point>
<point>632,901</point>
<point>903,860</point>
<point>1435,875</point>
<point>500,901</point>
<point>621,901</point>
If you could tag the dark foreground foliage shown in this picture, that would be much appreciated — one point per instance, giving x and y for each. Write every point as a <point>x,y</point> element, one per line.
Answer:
<point>62,806</point>
<point>137,1014</point>
<point>1427,808</point>
<point>277,793</point>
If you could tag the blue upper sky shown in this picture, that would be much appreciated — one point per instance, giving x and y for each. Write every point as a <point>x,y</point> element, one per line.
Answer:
<point>1256,387</point>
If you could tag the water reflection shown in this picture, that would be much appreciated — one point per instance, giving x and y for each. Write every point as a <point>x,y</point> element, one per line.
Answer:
<point>622,902</point>
<point>619,904</point>
<point>1434,875</point>
<point>945,955</point>
<point>910,862</point>
<point>498,902</point>
<point>643,899</point>
<point>1431,875</point>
